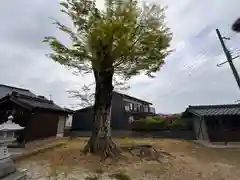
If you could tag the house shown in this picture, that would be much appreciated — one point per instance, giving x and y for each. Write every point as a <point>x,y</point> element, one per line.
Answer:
<point>41,117</point>
<point>124,109</point>
<point>215,123</point>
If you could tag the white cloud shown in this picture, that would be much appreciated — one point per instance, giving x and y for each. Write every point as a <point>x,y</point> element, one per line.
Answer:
<point>190,75</point>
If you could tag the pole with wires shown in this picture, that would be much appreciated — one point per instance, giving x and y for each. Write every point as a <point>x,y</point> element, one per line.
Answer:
<point>229,57</point>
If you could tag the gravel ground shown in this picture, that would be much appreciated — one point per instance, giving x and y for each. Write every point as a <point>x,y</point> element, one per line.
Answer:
<point>189,162</point>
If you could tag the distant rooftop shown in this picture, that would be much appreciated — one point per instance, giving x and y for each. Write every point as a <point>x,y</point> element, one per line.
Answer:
<point>6,89</point>
<point>26,98</point>
<point>215,110</point>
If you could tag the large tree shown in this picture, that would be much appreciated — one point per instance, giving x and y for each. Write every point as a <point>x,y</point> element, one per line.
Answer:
<point>236,25</point>
<point>123,39</point>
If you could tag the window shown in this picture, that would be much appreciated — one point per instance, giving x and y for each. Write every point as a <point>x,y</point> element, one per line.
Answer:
<point>139,108</point>
<point>145,108</point>
<point>127,108</point>
<point>152,110</point>
<point>131,106</point>
<point>135,107</point>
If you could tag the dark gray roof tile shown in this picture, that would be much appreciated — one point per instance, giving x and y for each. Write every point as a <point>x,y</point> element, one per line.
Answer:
<point>39,103</point>
<point>130,97</point>
<point>26,97</point>
<point>5,89</point>
<point>215,110</point>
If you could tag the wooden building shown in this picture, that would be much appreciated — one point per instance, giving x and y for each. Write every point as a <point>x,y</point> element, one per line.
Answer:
<point>215,123</point>
<point>124,109</point>
<point>40,116</point>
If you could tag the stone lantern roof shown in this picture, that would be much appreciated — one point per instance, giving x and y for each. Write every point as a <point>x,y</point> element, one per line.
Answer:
<point>10,125</point>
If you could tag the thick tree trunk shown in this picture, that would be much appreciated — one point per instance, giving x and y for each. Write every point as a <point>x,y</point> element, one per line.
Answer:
<point>101,142</point>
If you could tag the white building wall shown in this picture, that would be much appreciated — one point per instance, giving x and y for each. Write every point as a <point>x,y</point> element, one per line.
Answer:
<point>200,129</point>
<point>61,126</point>
<point>68,123</point>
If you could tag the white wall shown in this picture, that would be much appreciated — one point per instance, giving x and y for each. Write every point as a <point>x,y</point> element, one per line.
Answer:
<point>61,126</point>
<point>68,123</point>
<point>200,128</point>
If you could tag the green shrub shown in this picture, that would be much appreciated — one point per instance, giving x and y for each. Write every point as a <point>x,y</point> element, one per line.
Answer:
<point>158,123</point>
<point>177,125</point>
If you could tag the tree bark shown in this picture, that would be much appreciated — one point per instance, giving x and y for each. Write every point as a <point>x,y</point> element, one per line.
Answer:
<point>101,142</point>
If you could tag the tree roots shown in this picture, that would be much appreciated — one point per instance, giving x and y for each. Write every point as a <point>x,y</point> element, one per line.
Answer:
<point>147,152</point>
<point>104,147</point>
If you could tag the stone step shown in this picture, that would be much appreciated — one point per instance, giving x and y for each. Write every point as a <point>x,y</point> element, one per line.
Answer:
<point>18,175</point>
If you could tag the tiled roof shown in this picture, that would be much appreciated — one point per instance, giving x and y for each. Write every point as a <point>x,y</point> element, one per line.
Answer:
<point>37,102</point>
<point>27,99</point>
<point>5,89</point>
<point>130,97</point>
<point>215,110</point>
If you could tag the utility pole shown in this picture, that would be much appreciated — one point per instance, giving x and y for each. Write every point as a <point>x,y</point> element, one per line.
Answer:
<point>229,57</point>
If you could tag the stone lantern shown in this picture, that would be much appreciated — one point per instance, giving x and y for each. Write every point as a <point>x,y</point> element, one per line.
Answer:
<point>7,136</point>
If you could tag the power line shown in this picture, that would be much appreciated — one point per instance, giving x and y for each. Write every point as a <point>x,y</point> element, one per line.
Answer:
<point>228,56</point>
<point>203,52</point>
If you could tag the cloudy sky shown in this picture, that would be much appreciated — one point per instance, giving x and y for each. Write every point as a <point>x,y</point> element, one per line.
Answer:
<point>189,77</point>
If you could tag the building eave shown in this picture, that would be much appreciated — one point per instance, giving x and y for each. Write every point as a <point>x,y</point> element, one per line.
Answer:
<point>133,98</point>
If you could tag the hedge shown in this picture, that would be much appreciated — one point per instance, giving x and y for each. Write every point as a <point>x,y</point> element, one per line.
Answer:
<point>156,123</point>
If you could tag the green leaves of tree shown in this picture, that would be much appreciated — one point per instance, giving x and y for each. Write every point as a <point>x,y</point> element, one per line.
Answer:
<point>132,38</point>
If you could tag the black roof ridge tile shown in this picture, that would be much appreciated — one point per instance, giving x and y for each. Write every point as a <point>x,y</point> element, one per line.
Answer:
<point>215,110</point>
<point>38,99</point>
<point>13,87</point>
<point>214,106</point>
<point>122,94</point>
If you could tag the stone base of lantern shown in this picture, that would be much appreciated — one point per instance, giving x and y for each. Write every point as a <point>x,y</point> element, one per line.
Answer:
<point>6,167</point>
<point>17,175</point>
<point>9,172</point>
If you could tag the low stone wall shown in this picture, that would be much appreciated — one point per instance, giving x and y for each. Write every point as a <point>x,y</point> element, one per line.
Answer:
<point>188,135</point>
<point>40,142</point>
<point>30,152</point>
